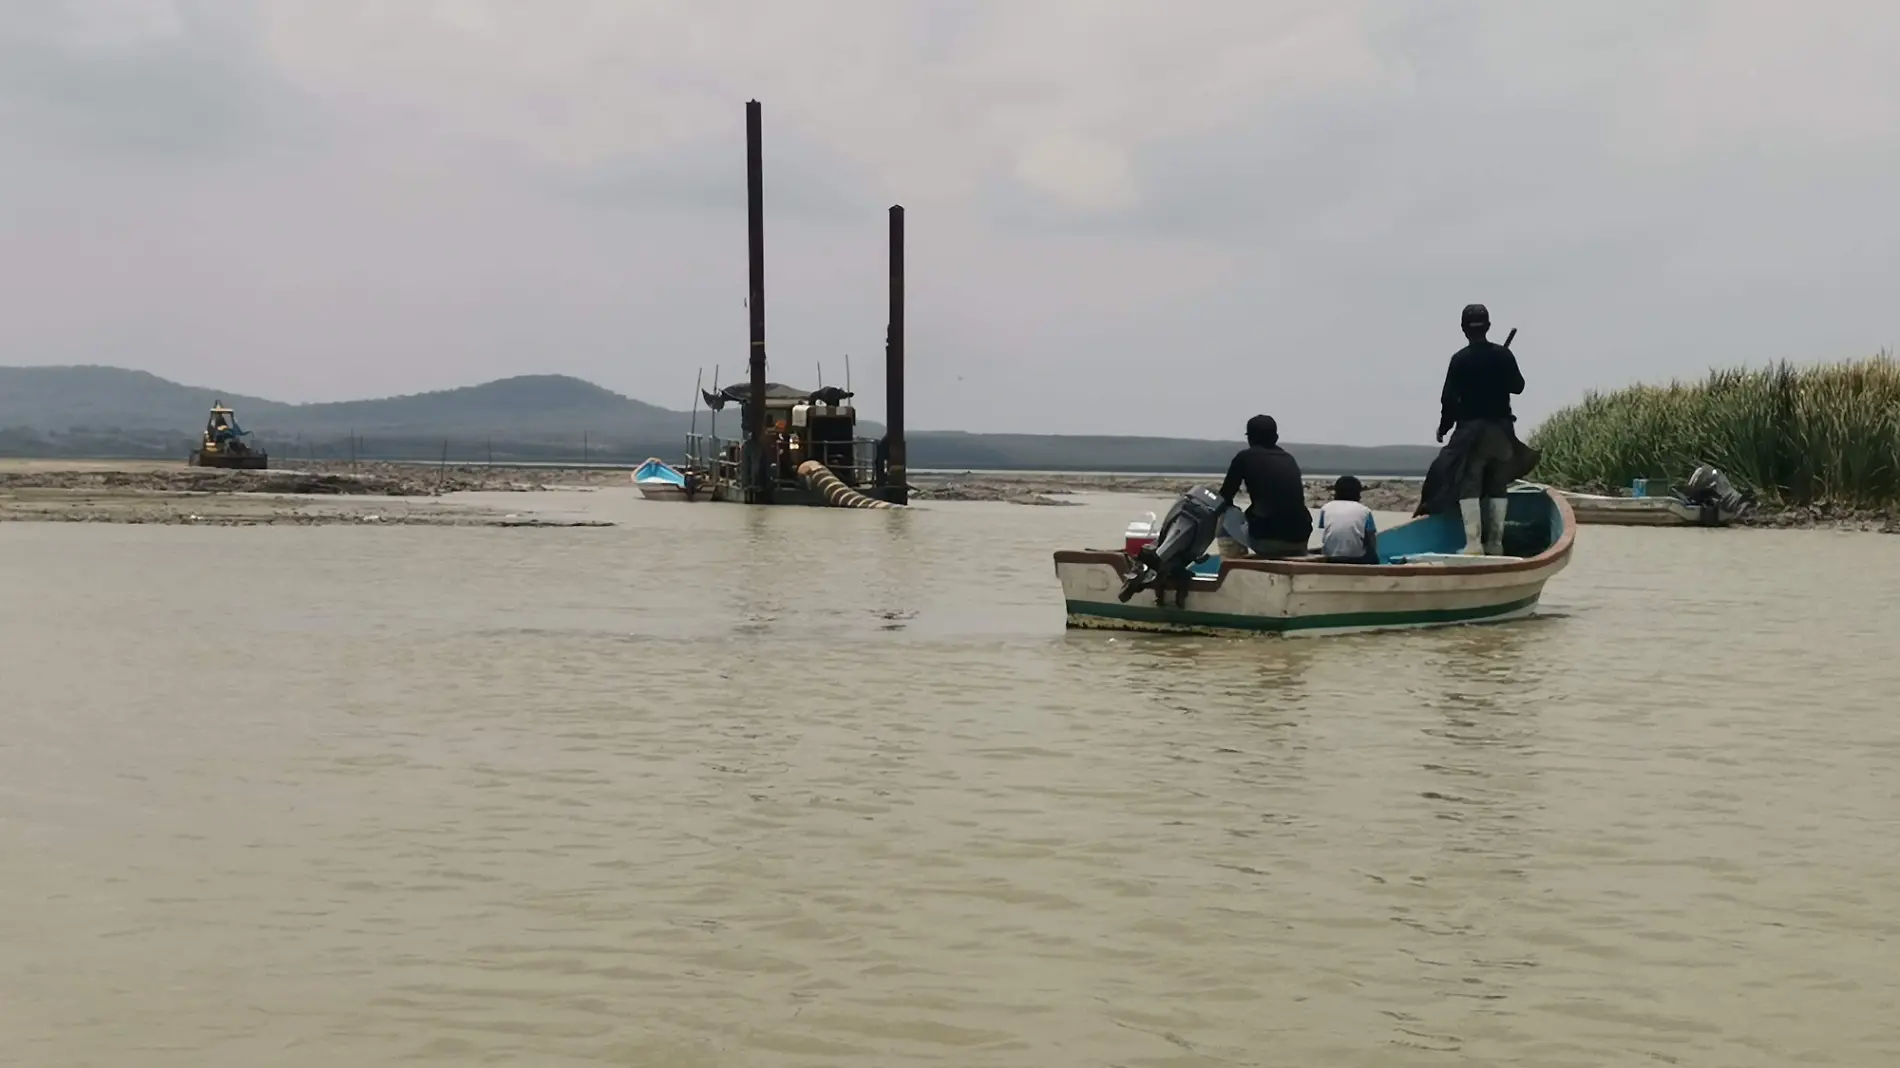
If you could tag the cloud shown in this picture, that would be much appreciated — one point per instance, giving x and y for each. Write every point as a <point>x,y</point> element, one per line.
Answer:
<point>148,78</point>
<point>1758,78</point>
<point>931,101</point>
<point>1124,215</point>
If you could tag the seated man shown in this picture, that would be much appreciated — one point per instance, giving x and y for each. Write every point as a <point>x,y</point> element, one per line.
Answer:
<point>1347,533</point>
<point>1276,522</point>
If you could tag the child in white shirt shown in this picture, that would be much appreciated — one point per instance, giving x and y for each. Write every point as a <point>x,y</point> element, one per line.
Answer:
<point>1348,534</point>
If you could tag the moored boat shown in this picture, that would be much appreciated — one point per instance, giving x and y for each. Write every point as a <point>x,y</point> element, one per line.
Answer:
<point>1601,509</point>
<point>1422,580</point>
<point>1708,499</point>
<point>659,481</point>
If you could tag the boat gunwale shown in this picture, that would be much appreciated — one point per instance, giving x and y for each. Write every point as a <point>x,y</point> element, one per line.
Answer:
<point>678,478</point>
<point>1557,551</point>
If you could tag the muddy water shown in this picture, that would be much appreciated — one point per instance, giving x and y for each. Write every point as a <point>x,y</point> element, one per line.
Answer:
<point>696,790</point>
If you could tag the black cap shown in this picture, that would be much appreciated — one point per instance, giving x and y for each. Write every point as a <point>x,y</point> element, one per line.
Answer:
<point>1262,430</point>
<point>1475,315</point>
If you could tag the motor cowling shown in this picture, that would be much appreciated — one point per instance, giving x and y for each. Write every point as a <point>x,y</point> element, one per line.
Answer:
<point>1184,537</point>
<point>1708,487</point>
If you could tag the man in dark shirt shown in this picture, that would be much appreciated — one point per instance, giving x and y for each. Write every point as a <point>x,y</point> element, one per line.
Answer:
<point>1476,399</point>
<point>1276,522</point>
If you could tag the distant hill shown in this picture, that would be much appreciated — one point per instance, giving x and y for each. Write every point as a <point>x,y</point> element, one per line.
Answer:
<point>110,398</point>
<point>112,412</point>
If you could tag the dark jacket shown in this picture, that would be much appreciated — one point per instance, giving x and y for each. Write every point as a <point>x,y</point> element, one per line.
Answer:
<point>1479,383</point>
<point>1440,492</point>
<point>1277,507</point>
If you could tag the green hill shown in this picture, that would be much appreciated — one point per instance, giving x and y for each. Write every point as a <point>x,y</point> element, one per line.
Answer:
<point>112,412</point>
<point>111,398</point>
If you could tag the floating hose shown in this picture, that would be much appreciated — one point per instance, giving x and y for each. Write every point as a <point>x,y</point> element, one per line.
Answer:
<point>833,489</point>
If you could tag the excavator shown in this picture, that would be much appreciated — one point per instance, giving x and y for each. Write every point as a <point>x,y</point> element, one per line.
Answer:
<point>224,443</point>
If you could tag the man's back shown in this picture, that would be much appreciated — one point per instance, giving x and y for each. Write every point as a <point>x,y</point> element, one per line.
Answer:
<point>1479,383</point>
<point>1276,492</point>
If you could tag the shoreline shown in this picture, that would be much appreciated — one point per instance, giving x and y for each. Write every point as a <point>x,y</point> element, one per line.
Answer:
<point>307,493</point>
<point>1043,488</point>
<point>1380,495</point>
<point>171,493</point>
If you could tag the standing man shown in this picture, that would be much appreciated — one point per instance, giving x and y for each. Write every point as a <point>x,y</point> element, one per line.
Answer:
<point>1479,385</point>
<point>1276,522</point>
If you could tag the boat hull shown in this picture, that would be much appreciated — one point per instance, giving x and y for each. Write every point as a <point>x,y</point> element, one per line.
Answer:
<point>1298,598</point>
<point>659,481</point>
<point>1593,510</point>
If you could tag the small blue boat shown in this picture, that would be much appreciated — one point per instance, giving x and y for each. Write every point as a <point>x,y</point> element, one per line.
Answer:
<point>659,481</point>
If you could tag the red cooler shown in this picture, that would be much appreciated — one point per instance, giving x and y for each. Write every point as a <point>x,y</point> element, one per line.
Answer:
<point>1140,535</point>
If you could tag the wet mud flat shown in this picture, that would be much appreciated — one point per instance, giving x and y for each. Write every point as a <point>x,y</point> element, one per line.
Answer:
<point>1824,516</point>
<point>313,493</point>
<point>1380,495</point>
<point>297,495</point>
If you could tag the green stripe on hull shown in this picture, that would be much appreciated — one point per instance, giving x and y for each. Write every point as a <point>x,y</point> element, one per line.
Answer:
<point>1137,613</point>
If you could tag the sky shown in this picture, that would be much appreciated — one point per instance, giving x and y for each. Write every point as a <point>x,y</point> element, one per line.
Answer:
<point>1123,216</point>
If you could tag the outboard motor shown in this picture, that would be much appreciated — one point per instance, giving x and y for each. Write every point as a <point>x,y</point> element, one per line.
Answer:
<point>1710,490</point>
<point>1185,534</point>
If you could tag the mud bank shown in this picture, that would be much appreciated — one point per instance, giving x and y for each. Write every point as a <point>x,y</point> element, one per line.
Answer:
<point>1824,516</point>
<point>1382,495</point>
<point>418,479</point>
<point>381,480</point>
<point>299,495</point>
<point>249,510</point>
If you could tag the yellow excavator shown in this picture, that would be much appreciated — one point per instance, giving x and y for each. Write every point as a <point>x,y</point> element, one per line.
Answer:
<point>224,443</point>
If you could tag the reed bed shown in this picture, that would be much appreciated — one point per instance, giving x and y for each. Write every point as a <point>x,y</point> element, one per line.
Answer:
<point>1828,434</point>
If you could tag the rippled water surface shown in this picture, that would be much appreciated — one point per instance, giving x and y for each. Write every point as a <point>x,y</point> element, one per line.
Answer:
<point>723,786</point>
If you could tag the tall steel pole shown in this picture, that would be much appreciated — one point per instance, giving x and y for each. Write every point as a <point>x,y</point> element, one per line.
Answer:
<point>758,472</point>
<point>896,470</point>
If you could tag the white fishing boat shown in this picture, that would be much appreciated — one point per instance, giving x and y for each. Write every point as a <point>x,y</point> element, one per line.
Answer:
<point>1707,500</point>
<point>1423,580</point>
<point>658,481</point>
<point>1600,509</point>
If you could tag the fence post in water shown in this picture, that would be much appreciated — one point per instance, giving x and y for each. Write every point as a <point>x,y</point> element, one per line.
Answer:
<point>896,470</point>
<point>758,485</point>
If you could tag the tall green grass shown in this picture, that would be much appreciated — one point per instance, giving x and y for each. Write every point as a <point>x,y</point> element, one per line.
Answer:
<point>1793,435</point>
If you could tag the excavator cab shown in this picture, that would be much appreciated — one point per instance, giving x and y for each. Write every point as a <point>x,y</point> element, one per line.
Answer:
<point>223,444</point>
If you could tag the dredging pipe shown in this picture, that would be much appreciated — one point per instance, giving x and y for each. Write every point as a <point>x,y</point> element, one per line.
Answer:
<point>833,489</point>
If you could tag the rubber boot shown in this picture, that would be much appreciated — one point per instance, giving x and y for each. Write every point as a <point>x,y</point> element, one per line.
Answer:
<point>1494,508</point>
<point>1474,526</point>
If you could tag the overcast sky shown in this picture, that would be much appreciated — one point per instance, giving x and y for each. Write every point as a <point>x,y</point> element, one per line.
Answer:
<point>1125,215</point>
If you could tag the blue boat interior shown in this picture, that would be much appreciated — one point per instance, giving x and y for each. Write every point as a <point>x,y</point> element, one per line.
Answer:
<point>655,471</point>
<point>1532,524</point>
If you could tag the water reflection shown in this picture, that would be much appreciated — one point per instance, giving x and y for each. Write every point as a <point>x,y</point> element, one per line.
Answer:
<point>1193,672</point>
<point>1474,829</point>
<point>683,765</point>
<point>1484,689</point>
